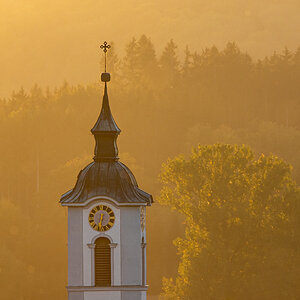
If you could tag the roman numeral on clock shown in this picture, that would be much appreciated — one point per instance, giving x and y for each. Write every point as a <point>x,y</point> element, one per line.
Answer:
<point>101,215</point>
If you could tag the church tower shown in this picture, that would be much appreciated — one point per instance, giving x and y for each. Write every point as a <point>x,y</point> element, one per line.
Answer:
<point>106,221</point>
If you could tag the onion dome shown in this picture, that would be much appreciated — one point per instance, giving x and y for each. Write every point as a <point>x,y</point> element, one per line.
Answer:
<point>106,179</point>
<point>106,176</point>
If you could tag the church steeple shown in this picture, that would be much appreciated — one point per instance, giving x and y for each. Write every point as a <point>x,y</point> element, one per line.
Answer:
<point>105,130</point>
<point>106,221</point>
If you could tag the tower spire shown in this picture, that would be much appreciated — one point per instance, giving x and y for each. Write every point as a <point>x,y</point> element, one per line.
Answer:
<point>105,129</point>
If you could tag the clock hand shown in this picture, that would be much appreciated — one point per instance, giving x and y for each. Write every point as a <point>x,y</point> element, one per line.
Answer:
<point>101,218</point>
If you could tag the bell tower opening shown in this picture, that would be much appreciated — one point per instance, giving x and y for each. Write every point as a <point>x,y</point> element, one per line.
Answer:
<point>102,262</point>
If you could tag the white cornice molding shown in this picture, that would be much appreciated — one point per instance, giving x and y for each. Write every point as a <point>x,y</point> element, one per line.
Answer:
<point>101,234</point>
<point>102,198</point>
<point>107,288</point>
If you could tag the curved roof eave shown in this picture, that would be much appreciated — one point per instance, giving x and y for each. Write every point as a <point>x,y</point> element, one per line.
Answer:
<point>125,192</point>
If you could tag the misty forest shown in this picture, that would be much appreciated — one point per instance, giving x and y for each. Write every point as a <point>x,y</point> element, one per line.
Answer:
<point>214,135</point>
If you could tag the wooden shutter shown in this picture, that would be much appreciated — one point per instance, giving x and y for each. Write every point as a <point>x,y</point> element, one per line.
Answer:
<point>102,262</point>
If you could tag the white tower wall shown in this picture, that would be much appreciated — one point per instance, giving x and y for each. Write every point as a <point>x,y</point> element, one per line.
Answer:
<point>127,262</point>
<point>75,249</point>
<point>131,251</point>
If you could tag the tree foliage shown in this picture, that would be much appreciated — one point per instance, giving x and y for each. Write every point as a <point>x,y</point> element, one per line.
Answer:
<point>242,233</point>
<point>164,103</point>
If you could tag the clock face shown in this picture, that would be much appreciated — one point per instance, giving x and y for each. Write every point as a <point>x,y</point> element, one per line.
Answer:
<point>101,218</point>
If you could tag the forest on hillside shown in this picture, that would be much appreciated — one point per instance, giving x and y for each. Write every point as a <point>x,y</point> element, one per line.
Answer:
<point>164,107</point>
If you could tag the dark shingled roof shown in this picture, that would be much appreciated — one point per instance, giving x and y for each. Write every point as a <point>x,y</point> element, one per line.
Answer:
<point>110,179</point>
<point>105,122</point>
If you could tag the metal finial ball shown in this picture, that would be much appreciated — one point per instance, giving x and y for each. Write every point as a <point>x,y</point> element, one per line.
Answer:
<point>105,77</point>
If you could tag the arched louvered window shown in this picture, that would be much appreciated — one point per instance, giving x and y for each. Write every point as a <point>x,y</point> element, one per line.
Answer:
<point>102,262</point>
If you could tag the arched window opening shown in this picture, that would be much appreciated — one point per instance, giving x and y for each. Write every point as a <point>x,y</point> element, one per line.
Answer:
<point>102,262</point>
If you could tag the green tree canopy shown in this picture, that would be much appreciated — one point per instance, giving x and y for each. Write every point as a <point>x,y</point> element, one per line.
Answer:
<point>242,225</point>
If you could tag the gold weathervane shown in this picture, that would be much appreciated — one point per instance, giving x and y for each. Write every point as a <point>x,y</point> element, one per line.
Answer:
<point>105,47</point>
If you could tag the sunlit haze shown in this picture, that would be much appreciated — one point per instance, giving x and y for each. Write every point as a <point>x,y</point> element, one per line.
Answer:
<point>207,96</point>
<point>47,42</point>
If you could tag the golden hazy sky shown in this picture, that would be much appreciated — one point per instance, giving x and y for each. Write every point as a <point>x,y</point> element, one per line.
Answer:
<point>47,42</point>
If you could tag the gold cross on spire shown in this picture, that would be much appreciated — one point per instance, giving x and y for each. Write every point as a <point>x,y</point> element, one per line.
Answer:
<point>105,47</point>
